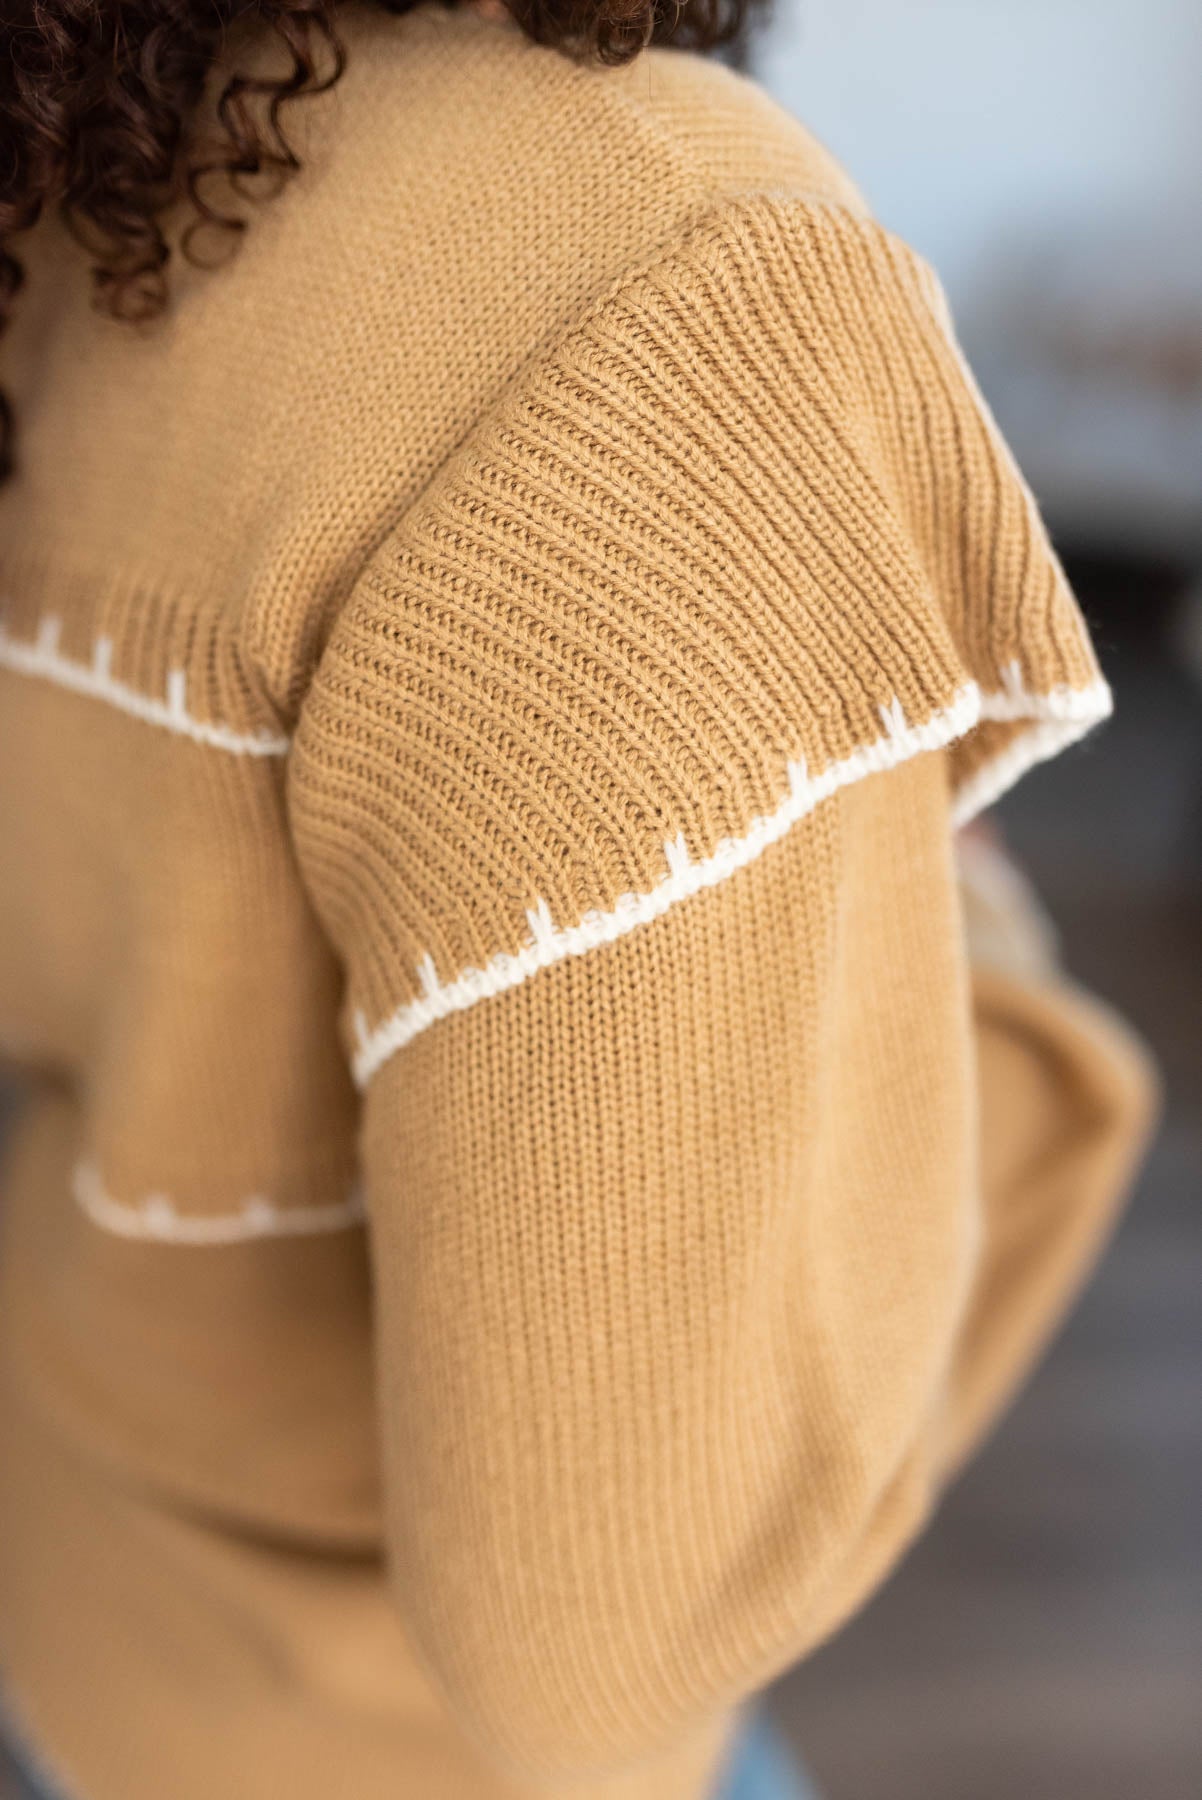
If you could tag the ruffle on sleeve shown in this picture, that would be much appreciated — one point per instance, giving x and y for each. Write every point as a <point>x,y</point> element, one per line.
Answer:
<point>748,536</point>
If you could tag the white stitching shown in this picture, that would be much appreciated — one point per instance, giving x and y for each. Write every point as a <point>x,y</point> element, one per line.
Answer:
<point>156,1220</point>
<point>1046,738</point>
<point>1061,704</point>
<point>1059,717</point>
<point>43,659</point>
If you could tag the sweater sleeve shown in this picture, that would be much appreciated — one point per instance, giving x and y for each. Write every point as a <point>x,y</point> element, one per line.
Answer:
<point>626,789</point>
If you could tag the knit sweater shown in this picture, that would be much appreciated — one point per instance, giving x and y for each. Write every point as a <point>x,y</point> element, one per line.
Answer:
<point>524,1193</point>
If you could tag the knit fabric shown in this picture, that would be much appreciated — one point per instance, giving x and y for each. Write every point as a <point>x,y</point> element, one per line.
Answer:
<point>524,1195</point>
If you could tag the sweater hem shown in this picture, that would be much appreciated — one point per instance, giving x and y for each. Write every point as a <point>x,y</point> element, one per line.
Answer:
<point>42,659</point>
<point>157,1220</point>
<point>1053,721</point>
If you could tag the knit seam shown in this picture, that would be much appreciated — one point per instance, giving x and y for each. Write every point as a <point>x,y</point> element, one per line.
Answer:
<point>1056,718</point>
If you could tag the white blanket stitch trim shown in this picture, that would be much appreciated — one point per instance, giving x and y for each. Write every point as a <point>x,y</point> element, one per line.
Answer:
<point>156,1220</point>
<point>42,658</point>
<point>1058,718</point>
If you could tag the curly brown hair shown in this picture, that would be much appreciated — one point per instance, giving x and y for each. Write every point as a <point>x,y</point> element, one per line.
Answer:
<point>99,99</point>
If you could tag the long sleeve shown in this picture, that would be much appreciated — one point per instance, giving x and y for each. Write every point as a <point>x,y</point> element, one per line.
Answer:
<point>1067,1097</point>
<point>626,790</point>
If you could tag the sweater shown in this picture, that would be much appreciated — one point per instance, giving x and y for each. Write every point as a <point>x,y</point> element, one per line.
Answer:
<point>524,1192</point>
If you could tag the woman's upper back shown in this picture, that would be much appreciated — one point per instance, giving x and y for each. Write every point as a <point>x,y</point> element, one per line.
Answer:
<point>465,196</point>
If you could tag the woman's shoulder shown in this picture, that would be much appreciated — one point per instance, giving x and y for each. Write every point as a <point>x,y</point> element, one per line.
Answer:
<point>737,137</point>
<point>448,119</point>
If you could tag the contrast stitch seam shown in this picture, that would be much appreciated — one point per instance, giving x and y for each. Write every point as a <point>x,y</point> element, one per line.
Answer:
<point>1058,717</point>
<point>42,659</point>
<point>156,1219</point>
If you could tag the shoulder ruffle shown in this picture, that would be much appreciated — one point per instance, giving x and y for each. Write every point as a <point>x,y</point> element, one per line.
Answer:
<point>748,536</point>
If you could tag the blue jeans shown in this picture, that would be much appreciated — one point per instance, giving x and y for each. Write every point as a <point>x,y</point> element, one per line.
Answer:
<point>762,1768</point>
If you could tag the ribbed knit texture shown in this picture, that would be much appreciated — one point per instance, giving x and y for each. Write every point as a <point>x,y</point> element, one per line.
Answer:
<point>750,514</point>
<point>487,692</point>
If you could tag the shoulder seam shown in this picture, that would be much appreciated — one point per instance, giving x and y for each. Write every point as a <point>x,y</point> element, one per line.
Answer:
<point>706,225</point>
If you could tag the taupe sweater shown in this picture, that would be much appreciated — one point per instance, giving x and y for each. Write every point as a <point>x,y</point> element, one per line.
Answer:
<point>524,1195</point>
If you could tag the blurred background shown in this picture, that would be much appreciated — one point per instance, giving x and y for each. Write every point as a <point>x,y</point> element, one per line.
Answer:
<point>1044,1642</point>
